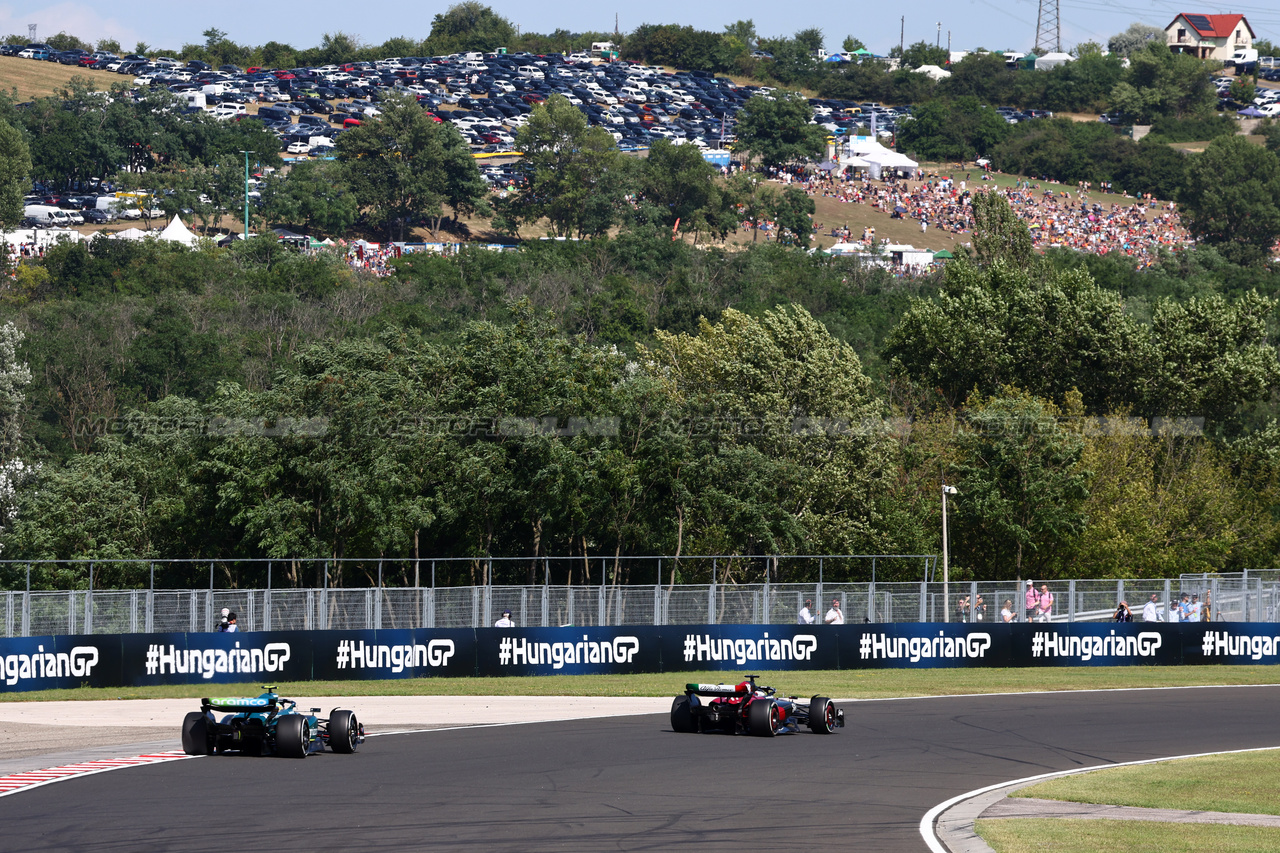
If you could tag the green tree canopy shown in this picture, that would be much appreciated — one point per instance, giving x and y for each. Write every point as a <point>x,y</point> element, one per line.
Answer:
<point>1231,199</point>
<point>777,130</point>
<point>469,25</point>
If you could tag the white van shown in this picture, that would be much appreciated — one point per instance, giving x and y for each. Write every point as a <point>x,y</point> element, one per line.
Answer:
<point>633,94</point>
<point>47,215</point>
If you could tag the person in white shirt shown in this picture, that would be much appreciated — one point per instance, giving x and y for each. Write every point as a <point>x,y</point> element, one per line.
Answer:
<point>1195,609</point>
<point>1151,610</point>
<point>1006,612</point>
<point>232,627</point>
<point>835,616</point>
<point>805,616</point>
<point>505,621</point>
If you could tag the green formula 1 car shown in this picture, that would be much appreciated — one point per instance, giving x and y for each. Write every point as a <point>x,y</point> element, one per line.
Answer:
<point>267,725</point>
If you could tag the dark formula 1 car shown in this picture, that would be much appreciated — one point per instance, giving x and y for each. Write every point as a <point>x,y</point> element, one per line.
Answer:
<point>267,725</point>
<point>747,708</point>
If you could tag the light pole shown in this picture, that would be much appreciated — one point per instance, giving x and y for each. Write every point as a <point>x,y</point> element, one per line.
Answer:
<point>246,194</point>
<point>946,567</point>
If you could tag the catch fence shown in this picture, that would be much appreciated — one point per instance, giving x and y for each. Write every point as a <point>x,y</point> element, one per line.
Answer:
<point>1240,597</point>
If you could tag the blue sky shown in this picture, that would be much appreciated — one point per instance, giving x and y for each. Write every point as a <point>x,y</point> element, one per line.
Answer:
<point>996,24</point>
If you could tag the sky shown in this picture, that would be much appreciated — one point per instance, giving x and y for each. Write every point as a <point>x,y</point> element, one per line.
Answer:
<point>993,24</point>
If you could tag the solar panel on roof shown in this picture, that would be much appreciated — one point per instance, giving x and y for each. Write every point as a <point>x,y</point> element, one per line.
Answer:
<point>1200,22</point>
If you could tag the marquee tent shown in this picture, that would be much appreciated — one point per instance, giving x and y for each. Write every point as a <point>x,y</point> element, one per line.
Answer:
<point>176,232</point>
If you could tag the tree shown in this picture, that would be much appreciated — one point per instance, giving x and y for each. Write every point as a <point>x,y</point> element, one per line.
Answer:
<point>578,177</point>
<point>744,32</point>
<point>470,25</point>
<point>1021,485</point>
<point>810,39</point>
<point>777,130</point>
<point>402,164</point>
<point>852,44</point>
<point>1232,198</point>
<point>678,185</point>
<point>109,45</point>
<point>15,178</point>
<point>923,53</point>
<point>1160,82</point>
<point>1135,39</point>
<point>314,195</point>
<point>952,129</point>
<point>793,214</point>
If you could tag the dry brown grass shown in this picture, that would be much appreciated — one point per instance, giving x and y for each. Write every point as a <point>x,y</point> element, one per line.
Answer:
<point>31,78</point>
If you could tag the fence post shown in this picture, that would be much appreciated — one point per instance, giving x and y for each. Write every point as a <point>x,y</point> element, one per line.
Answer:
<point>1244,586</point>
<point>377,602</point>
<point>266,601</point>
<point>924,596</point>
<point>26,612</point>
<point>1168,600</point>
<point>1071,599</point>
<point>657,603</point>
<point>88,603</point>
<point>601,615</point>
<point>711,595</point>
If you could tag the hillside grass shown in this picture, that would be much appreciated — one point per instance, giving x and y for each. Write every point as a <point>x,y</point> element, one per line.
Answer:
<point>30,78</point>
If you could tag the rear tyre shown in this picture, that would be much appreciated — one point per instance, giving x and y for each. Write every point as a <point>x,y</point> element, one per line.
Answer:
<point>822,715</point>
<point>195,734</point>
<point>293,736</point>
<point>763,718</point>
<point>682,716</point>
<point>344,731</point>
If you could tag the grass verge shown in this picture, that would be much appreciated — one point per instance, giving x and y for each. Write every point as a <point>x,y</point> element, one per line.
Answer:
<point>1247,783</point>
<point>844,684</point>
<point>1089,836</point>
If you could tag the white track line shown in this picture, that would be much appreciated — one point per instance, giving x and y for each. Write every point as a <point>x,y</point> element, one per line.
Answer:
<point>931,816</point>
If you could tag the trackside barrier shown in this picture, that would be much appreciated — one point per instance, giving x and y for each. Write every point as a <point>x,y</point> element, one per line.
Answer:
<point>126,660</point>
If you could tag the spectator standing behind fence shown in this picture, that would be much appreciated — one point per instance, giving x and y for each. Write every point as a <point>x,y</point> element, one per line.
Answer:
<point>1006,613</point>
<point>805,616</point>
<point>1193,613</point>
<point>1033,601</point>
<point>505,621</point>
<point>1123,613</point>
<point>232,627</point>
<point>835,616</point>
<point>1184,608</point>
<point>1207,613</point>
<point>1151,610</point>
<point>1044,604</point>
<point>979,609</point>
<point>962,609</point>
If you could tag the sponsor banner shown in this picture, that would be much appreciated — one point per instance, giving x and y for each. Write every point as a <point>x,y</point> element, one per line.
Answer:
<point>568,651</point>
<point>48,663</point>
<point>1099,644</point>
<point>749,647</point>
<point>339,655</point>
<point>41,663</point>
<point>925,645</point>
<point>266,658</point>
<point>1226,643</point>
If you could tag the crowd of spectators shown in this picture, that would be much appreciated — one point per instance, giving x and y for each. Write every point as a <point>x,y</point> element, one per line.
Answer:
<point>1138,227</point>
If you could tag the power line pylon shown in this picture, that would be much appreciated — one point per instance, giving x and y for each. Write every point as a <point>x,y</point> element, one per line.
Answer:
<point>1048,28</point>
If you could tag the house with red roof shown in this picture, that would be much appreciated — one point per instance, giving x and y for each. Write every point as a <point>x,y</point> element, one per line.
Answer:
<point>1209,36</point>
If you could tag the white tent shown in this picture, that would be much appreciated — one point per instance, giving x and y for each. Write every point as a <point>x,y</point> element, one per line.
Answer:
<point>128,234</point>
<point>934,72</point>
<point>176,232</point>
<point>1053,60</point>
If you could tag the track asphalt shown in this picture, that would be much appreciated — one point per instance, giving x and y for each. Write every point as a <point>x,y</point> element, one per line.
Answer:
<point>628,783</point>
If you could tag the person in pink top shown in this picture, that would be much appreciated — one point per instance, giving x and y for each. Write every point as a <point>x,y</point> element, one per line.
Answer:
<point>1045,607</point>
<point>1033,601</point>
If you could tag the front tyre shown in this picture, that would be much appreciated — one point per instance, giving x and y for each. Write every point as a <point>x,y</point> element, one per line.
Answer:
<point>822,715</point>
<point>344,732</point>
<point>293,736</point>
<point>682,716</point>
<point>195,734</point>
<point>763,718</point>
